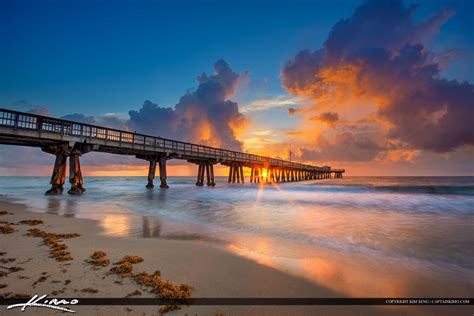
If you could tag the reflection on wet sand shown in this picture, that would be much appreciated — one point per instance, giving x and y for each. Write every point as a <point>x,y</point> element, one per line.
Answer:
<point>362,275</point>
<point>53,206</point>
<point>116,224</point>
<point>151,227</point>
<point>71,208</point>
<point>357,275</point>
<point>67,208</point>
<point>127,225</point>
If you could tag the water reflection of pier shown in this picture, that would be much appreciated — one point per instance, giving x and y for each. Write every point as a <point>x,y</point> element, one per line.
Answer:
<point>151,227</point>
<point>66,208</point>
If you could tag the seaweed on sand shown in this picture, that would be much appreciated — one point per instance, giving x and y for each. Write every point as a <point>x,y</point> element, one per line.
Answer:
<point>130,259</point>
<point>53,241</point>
<point>98,259</point>
<point>7,229</point>
<point>32,222</point>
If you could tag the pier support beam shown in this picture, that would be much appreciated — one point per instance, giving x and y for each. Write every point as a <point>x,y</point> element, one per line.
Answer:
<point>205,172</point>
<point>75,175</point>
<point>200,175</point>
<point>58,177</point>
<point>155,160</point>
<point>210,177</point>
<point>163,175</point>
<point>151,174</point>
<point>236,173</point>
<point>231,171</point>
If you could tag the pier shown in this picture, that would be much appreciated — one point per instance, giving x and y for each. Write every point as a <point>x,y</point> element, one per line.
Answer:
<point>70,140</point>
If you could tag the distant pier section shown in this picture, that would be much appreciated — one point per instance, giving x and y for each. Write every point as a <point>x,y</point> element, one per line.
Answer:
<point>68,140</point>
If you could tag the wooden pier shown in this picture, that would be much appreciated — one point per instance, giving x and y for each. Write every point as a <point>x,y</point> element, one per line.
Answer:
<point>67,139</point>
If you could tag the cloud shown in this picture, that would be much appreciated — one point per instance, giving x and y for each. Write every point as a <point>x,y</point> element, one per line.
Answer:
<point>292,111</point>
<point>81,118</point>
<point>271,103</point>
<point>110,120</point>
<point>329,118</point>
<point>40,111</point>
<point>205,115</point>
<point>378,56</point>
<point>152,119</point>
<point>343,148</point>
<point>25,106</point>
<point>294,133</point>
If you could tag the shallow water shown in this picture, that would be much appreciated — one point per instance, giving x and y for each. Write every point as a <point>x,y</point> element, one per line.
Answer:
<point>418,226</point>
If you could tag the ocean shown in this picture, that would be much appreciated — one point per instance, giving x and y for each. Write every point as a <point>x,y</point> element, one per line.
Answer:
<point>360,236</point>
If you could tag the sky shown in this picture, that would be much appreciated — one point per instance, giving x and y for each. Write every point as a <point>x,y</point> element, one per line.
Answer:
<point>375,87</point>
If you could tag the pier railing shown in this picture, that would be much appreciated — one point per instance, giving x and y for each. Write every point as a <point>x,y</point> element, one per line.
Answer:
<point>28,121</point>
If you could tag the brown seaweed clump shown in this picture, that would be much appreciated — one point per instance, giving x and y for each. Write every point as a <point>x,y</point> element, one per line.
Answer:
<point>61,255</point>
<point>32,222</point>
<point>7,229</point>
<point>98,254</point>
<point>123,269</point>
<point>53,241</point>
<point>35,232</point>
<point>130,259</point>
<point>15,269</point>
<point>164,289</point>
<point>89,290</point>
<point>7,260</point>
<point>3,213</point>
<point>9,270</point>
<point>41,279</point>
<point>134,293</point>
<point>98,259</point>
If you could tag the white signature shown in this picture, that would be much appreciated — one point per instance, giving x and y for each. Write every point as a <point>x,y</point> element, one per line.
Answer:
<point>40,301</point>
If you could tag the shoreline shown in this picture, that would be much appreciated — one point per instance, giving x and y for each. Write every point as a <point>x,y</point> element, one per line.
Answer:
<point>212,272</point>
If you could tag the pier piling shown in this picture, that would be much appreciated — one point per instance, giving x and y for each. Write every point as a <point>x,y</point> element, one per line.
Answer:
<point>151,174</point>
<point>75,175</point>
<point>163,176</point>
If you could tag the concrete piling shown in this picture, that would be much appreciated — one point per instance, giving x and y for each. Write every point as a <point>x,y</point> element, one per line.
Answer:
<point>75,175</point>
<point>163,176</point>
<point>151,174</point>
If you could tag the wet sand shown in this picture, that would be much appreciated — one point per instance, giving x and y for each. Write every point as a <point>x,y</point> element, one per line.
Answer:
<point>211,271</point>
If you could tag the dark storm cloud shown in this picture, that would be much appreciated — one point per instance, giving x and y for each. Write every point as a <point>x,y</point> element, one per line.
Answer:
<point>152,119</point>
<point>326,117</point>
<point>379,53</point>
<point>345,148</point>
<point>204,115</point>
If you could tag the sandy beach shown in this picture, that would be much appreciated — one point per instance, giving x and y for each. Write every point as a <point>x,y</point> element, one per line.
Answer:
<point>210,271</point>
